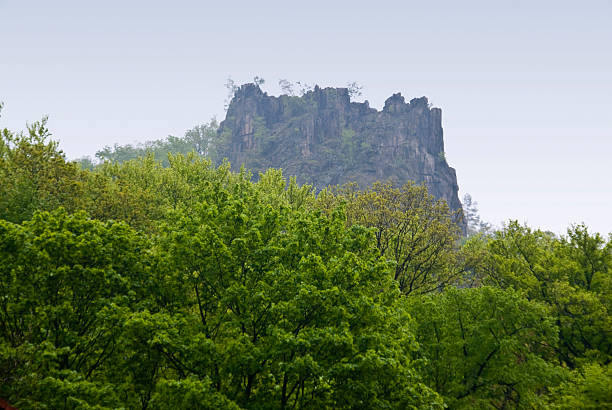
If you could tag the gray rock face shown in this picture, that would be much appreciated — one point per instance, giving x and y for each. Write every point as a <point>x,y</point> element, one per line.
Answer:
<point>324,139</point>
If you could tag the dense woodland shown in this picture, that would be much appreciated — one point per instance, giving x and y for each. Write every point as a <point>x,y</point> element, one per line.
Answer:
<point>168,282</point>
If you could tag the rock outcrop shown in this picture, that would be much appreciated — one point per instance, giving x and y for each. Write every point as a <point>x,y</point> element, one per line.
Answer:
<point>324,139</point>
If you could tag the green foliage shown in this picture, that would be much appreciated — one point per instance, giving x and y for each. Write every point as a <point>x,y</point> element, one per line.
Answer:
<point>486,347</point>
<point>63,278</point>
<point>293,308</point>
<point>411,229</point>
<point>275,189</point>
<point>588,388</point>
<point>474,224</point>
<point>189,393</point>
<point>86,163</point>
<point>199,139</point>
<point>243,294</point>
<point>138,284</point>
<point>141,191</point>
<point>572,275</point>
<point>34,174</point>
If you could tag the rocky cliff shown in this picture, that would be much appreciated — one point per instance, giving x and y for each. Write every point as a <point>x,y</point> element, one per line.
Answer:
<point>323,139</point>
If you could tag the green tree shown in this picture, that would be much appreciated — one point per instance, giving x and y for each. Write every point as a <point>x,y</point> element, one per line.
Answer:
<point>34,174</point>
<point>572,275</point>
<point>475,225</point>
<point>411,228</point>
<point>141,192</point>
<point>64,279</point>
<point>198,139</point>
<point>588,388</point>
<point>288,307</point>
<point>486,347</point>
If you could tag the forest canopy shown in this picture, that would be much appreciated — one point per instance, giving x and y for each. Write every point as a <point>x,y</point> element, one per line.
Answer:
<point>165,281</point>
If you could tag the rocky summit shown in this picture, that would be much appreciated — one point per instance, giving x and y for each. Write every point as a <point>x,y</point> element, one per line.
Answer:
<point>323,138</point>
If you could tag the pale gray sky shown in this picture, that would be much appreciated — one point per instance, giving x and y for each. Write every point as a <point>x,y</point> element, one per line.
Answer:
<point>525,87</point>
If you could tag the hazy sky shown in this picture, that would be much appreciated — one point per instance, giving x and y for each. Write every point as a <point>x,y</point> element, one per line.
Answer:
<point>525,87</point>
